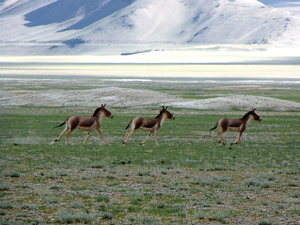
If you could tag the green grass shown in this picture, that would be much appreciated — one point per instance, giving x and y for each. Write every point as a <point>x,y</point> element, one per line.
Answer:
<point>189,178</point>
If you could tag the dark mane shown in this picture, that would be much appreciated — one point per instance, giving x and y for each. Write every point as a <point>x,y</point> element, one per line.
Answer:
<point>247,114</point>
<point>161,112</point>
<point>97,111</point>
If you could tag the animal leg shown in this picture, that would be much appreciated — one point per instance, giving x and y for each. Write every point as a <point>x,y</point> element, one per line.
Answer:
<point>87,137</point>
<point>99,132</point>
<point>68,134</point>
<point>156,142</point>
<point>126,137</point>
<point>62,133</point>
<point>219,133</point>
<point>148,136</point>
<point>239,139</point>
<point>129,133</point>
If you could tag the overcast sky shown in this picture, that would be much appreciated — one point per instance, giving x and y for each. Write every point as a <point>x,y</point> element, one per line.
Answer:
<point>291,5</point>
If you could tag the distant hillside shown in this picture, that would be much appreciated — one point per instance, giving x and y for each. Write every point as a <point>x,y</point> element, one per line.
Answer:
<point>74,27</point>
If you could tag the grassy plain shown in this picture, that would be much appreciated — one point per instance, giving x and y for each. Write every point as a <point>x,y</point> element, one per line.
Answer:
<point>188,179</point>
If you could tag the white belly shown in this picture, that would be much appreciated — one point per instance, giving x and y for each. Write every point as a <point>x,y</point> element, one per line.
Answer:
<point>90,129</point>
<point>236,129</point>
<point>149,129</point>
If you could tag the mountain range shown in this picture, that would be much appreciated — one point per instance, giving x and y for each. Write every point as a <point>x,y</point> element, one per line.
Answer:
<point>78,27</point>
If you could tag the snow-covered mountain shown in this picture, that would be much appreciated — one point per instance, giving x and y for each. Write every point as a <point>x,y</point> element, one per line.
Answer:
<point>290,5</point>
<point>57,26</point>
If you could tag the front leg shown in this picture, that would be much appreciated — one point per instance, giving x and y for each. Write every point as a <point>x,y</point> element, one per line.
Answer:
<point>148,136</point>
<point>156,141</point>
<point>238,140</point>
<point>87,137</point>
<point>99,132</point>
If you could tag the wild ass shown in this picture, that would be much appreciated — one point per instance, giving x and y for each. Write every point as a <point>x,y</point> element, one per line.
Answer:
<point>148,124</point>
<point>89,124</point>
<point>237,125</point>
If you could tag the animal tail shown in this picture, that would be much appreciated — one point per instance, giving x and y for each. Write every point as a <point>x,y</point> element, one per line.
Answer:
<point>213,128</point>
<point>61,124</point>
<point>128,125</point>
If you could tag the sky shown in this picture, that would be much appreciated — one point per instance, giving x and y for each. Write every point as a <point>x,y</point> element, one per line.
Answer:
<point>291,5</point>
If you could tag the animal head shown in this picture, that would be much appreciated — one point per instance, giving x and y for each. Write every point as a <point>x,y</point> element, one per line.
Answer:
<point>255,116</point>
<point>104,111</point>
<point>167,113</point>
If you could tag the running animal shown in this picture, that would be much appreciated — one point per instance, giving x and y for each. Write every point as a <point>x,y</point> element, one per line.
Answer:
<point>151,125</point>
<point>89,124</point>
<point>237,125</point>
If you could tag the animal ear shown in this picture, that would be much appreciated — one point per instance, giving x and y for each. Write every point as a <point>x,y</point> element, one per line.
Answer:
<point>253,110</point>
<point>167,107</point>
<point>163,107</point>
<point>104,105</point>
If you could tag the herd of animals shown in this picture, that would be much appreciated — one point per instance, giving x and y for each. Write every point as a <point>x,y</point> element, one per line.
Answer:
<point>151,125</point>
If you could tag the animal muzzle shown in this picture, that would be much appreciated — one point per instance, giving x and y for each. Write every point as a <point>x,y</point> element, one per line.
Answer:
<point>173,118</point>
<point>111,116</point>
<point>260,119</point>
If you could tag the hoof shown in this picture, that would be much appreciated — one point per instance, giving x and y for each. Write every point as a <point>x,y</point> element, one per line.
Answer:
<point>220,142</point>
<point>123,143</point>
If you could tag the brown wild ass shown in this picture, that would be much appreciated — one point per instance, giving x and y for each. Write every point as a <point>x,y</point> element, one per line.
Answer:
<point>148,124</point>
<point>89,124</point>
<point>237,125</point>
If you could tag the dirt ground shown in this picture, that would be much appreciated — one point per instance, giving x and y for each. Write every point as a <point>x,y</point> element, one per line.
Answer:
<point>124,97</point>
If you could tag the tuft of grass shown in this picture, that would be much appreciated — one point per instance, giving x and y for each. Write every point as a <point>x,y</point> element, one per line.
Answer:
<point>78,188</point>
<point>143,173</point>
<point>147,181</point>
<point>69,216</point>
<point>219,216</point>
<point>102,198</point>
<point>295,194</point>
<point>252,182</point>
<point>106,216</point>
<point>77,205</point>
<point>264,223</point>
<point>12,174</point>
<point>144,220</point>
<point>136,200</point>
<point>6,205</point>
<point>55,187</point>
<point>161,205</point>
<point>4,187</point>
<point>29,207</point>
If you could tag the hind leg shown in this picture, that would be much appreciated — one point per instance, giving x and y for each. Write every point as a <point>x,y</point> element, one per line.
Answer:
<point>126,137</point>
<point>62,133</point>
<point>67,135</point>
<point>128,134</point>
